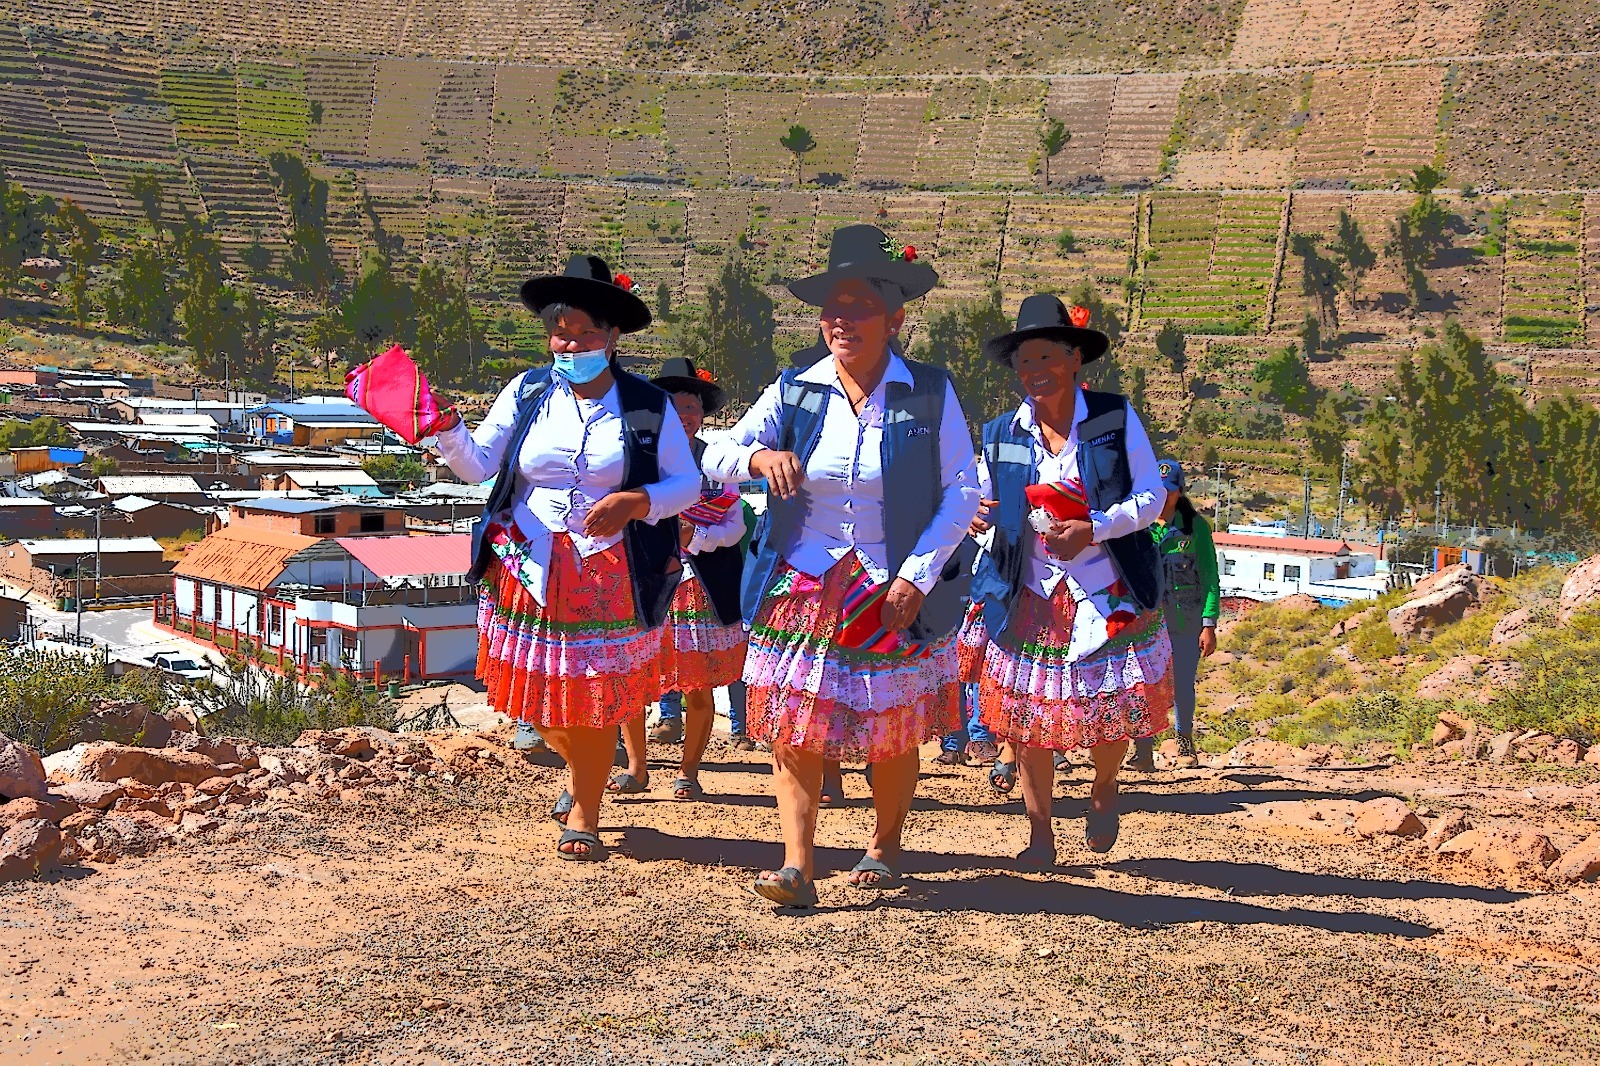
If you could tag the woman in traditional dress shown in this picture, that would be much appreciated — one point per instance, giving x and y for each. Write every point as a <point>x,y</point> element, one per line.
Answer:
<point>1077,653</point>
<point>578,546</point>
<point>703,642</point>
<point>1192,606</point>
<point>855,593</point>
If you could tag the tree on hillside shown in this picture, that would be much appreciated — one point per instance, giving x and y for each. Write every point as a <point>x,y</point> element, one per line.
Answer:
<point>735,331</point>
<point>43,432</point>
<point>443,324</point>
<point>1425,179</point>
<point>952,336</point>
<point>1052,139</point>
<point>147,191</point>
<point>379,308</point>
<point>210,323</point>
<point>798,141</point>
<point>1105,373</point>
<point>1416,237</point>
<point>1320,277</point>
<point>259,335</point>
<point>1326,432</point>
<point>1356,256</point>
<point>310,260</point>
<point>1283,378</point>
<point>24,225</point>
<point>140,296</point>
<point>1311,334</point>
<point>1379,467</point>
<point>1171,345</point>
<point>80,238</point>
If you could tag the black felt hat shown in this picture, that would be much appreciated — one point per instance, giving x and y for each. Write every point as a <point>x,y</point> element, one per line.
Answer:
<point>587,284</point>
<point>1044,315</point>
<point>866,252</point>
<point>679,375</point>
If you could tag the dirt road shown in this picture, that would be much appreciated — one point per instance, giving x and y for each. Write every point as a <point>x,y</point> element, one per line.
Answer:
<point>1236,921</point>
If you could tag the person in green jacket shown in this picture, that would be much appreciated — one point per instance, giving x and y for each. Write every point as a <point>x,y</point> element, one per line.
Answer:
<point>1192,606</point>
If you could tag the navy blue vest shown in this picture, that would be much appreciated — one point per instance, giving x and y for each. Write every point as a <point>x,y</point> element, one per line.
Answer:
<point>652,551</point>
<point>913,487</point>
<point>1107,480</point>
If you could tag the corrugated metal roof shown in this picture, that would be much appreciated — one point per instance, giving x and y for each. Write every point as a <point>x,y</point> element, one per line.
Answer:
<point>86,545</point>
<point>242,556</point>
<point>329,479</point>
<point>428,553</point>
<point>145,485</point>
<point>1282,545</point>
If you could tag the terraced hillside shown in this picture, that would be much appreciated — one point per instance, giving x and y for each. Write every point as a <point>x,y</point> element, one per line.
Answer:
<point>1203,139</point>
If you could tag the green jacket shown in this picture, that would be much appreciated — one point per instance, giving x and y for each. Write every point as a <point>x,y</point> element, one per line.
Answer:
<point>1198,543</point>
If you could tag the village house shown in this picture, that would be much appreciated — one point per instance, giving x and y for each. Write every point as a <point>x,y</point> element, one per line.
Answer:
<point>350,480</point>
<point>1255,566</point>
<point>26,516</point>
<point>128,568</point>
<point>318,516</point>
<point>170,488</point>
<point>311,425</point>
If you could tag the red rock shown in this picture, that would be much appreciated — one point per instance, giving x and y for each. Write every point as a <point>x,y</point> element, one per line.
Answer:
<point>74,822</point>
<point>1579,863</point>
<point>51,809</point>
<point>214,786</point>
<point>1533,746</point>
<point>113,762</point>
<point>1299,601</point>
<point>1581,589</point>
<point>1567,752</point>
<point>1387,816</point>
<point>1463,843</point>
<point>21,771</point>
<point>198,824</point>
<point>1513,627</point>
<point>96,794</point>
<point>1592,756</point>
<point>1516,851</point>
<point>126,722</point>
<point>344,742</point>
<point>1440,683</point>
<point>1446,828</point>
<point>1500,746</point>
<point>31,848</point>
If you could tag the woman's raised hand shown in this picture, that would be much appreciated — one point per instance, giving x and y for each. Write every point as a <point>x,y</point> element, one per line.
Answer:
<point>782,470</point>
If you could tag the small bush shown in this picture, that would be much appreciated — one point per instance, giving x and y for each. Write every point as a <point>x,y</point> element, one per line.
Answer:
<point>1373,641</point>
<point>251,701</point>
<point>44,695</point>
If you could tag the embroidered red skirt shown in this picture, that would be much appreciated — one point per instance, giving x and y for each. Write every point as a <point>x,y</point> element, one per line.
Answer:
<point>697,651</point>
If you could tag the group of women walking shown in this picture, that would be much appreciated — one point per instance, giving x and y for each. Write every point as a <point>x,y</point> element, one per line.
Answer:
<point>614,562</point>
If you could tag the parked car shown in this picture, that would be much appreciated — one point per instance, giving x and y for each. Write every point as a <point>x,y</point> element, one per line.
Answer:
<point>180,665</point>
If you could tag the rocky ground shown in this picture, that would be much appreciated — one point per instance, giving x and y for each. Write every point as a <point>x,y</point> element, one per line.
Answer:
<point>368,898</point>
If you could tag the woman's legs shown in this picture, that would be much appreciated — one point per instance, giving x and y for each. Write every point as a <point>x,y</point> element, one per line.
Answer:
<point>633,740</point>
<point>589,754</point>
<point>699,713</point>
<point>1107,761</point>
<point>1036,767</point>
<point>894,785</point>
<point>832,782</point>
<point>797,783</point>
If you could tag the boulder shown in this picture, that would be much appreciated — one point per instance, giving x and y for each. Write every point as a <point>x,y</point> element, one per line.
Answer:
<point>21,771</point>
<point>1454,575</point>
<point>31,848</point>
<point>126,722</point>
<point>51,809</point>
<point>1443,603</point>
<point>1516,851</point>
<point>1567,752</point>
<point>218,750</point>
<point>1533,746</point>
<point>152,766</point>
<point>118,835</point>
<point>1387,816</point>
<point>1457,671</point>
<point>1351,624</point>
<point>349,743</point>
<point>1513,627</point>
<point>1592,756</point>
<point>1500,746</point>
<point>1581,589</point>
<point>1446,828</point>
<point>1261,751</point>
<point>97,795</point>
<point>1463,843</point>
<point>1578,863</point>
<point>1299,601</point>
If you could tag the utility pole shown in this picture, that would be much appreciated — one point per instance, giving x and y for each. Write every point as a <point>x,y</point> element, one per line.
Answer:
<point>1344,486</point>
<point>98,512</point>
<point>1218,507</point>
<point>1438,508</point>
<point>1306,504</point>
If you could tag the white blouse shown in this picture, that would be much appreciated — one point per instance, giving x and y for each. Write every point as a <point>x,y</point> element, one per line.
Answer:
<point>1090,568</point>
<point>843,491</point>
<point>571,460</point>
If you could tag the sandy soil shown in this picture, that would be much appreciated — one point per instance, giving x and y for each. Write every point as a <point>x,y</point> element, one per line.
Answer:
<point>1236,921</point>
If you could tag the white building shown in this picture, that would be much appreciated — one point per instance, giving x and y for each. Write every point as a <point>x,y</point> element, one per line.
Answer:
<point>1256,567</point>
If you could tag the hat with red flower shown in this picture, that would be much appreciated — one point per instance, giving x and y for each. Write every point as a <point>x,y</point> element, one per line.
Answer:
<point>680,375</point>
<point>863,251</point>
<point>588,285</point>
<point>1044,315</point>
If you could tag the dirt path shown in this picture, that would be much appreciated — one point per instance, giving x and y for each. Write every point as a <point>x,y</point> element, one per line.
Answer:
<point>1236,921</point>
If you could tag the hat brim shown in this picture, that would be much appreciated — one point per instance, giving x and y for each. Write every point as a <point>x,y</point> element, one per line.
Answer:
<point>611,302</point>
<point>1091,342</point>
<point>914,279</point>
<point>712,396</point>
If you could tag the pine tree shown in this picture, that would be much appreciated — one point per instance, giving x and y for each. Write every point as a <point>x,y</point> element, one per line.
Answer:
<point>443,322</point>
<point>736,330</point>
<point>1355,254</point>
<point>379,308</point>
<point>81,238</point>
<point>952,337</point>
<point>310,261</point>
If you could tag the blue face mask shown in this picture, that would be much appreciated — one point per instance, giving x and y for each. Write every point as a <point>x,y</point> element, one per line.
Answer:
<point>580,368</point>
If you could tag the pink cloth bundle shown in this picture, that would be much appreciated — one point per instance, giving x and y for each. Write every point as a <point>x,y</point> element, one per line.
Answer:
<point>710,510</point>
<point>392,389</point>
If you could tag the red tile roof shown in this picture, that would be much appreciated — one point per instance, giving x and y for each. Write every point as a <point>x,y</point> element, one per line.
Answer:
<point>243,556</point>
<point>1284,545</point>
<point>428,553</point>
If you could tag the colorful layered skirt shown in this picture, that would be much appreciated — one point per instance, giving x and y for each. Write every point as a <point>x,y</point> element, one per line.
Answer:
<point>582,659</point>
<point>698,652</point>
<point>807,691</point>
<point>1031,692</point>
